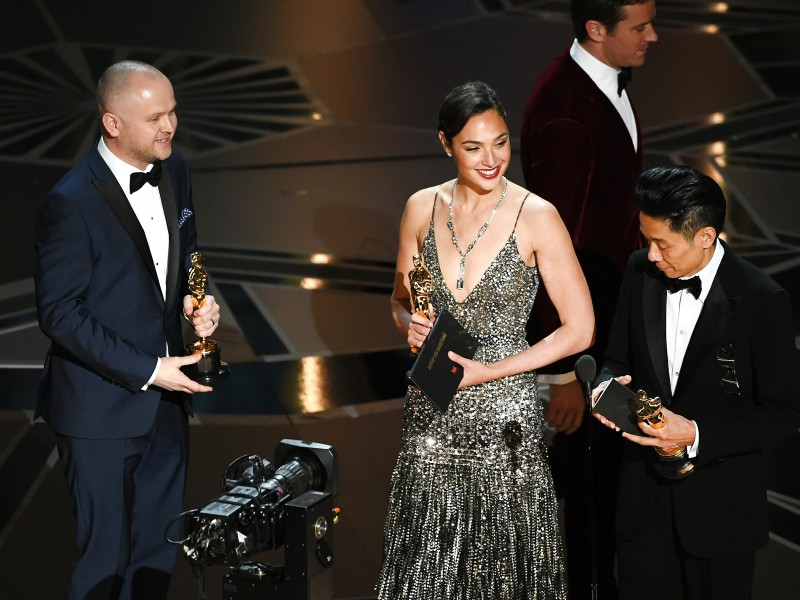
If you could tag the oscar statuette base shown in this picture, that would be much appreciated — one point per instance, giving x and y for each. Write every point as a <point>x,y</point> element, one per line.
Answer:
<point>210,367</point>
<point>674,465</point>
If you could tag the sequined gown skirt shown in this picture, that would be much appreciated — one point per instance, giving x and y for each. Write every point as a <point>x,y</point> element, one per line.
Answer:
<point>472,510</point>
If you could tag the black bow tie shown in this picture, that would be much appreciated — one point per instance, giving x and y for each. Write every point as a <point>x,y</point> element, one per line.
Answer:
<point>153,176</point>
<point>693,285</point>
<point>623,77</point>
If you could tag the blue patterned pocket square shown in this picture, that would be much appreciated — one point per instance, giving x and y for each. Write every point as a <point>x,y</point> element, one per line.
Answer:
<point>185,214</point>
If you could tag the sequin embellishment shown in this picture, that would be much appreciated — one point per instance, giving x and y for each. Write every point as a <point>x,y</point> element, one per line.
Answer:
<point>472,510</point>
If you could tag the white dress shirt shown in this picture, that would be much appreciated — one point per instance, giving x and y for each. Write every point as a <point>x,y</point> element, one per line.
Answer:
<point>605,78</point>
<point>683,310</point>
<point>146,203</point>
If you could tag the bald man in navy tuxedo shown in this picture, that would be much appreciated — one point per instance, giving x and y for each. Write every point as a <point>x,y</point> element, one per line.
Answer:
<point>581,149</point>
<point>113,241</point>
<point>711,336</point>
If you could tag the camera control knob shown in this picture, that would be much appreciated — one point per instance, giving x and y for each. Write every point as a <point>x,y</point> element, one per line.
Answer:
<point>320,528</point>
<point>323,552</point>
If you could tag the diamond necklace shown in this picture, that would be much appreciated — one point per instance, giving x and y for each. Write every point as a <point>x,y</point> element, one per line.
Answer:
<point>481,231</point>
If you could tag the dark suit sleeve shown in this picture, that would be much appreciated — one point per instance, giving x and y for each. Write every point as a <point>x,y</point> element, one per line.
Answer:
<point>770,407</point>
<point>617,360</point>
<point>64,271</point>
<point>559,170</point>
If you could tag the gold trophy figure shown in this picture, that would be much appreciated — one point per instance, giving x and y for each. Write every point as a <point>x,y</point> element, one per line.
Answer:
<point>209,367</point>
<point>673,463</point>
<point>198,279</point>
<point>421,284</point>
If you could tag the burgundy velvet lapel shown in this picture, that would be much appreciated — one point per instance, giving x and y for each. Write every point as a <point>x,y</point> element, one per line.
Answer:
<point>584,84</point>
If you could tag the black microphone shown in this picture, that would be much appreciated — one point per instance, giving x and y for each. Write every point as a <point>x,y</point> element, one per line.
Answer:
<point>585,372</point>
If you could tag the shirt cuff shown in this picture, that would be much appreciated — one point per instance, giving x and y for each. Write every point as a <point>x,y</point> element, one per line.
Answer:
<point>559,379</point>
<point>153,376</point>
<point>692,450</point>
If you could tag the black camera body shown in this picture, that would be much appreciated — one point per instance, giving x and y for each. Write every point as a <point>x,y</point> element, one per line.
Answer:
<point>307,573</point>
<point>263,508</point>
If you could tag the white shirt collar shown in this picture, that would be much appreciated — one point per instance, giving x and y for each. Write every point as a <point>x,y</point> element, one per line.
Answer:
<point>707,273</point>
<point>604,77</point>
<point>122,171</point>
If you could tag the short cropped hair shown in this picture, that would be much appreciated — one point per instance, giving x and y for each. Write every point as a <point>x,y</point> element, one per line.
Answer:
<point>687,199</point>
<point>464,102</point>
<point>607,12</point>
<point>115,80</point>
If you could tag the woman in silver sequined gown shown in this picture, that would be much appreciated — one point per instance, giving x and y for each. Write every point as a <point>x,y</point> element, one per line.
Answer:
<point>472,512</point>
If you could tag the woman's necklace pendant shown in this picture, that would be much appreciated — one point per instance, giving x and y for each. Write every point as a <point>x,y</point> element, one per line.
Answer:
<point>481,231</point>
<point>461,266</point>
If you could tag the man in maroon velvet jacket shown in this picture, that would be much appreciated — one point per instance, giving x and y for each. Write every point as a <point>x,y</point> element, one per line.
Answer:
<point>581,150</point>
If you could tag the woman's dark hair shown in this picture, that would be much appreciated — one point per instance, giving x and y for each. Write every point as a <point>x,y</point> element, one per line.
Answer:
<point>687,199</point>
<point>464,102</point>
<point>607,12</point>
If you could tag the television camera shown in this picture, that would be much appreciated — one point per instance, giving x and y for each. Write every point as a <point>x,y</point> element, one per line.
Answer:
<point>262,508</point>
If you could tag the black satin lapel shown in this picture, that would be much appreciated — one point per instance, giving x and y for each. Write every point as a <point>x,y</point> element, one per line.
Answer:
<point>714,319</point>
<point>121,207</point>
<point>170,207</point>
<point>655,315</point>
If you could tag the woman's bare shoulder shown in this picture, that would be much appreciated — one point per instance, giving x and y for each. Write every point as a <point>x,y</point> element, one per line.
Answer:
<point>535,208</point>
<point>420,204</point>
<point>538,225</point>
<point>424,196</point>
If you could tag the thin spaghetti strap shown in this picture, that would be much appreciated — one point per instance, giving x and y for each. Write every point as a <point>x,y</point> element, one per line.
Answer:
<point>520,211</point>
<point>433,208</point>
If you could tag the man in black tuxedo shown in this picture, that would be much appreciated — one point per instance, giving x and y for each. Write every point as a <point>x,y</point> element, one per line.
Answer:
<point>113,242</point>
<point>721,356</point>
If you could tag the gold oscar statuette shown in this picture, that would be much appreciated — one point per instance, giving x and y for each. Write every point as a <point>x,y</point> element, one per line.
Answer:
<point>421,284</point>
<point>672,463</point>
<point>209,368</point>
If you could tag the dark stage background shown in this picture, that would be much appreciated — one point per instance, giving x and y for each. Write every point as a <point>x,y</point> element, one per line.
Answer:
<point>307,124</point>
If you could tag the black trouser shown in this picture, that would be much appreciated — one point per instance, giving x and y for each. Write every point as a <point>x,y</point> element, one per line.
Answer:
<point>656,567</point>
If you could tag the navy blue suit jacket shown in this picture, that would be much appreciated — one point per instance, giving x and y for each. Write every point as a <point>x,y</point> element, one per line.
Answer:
<point>721,509</point>
<point>100,303</point>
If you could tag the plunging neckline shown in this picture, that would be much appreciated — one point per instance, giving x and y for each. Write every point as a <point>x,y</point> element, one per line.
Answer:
<point>511,237</point>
